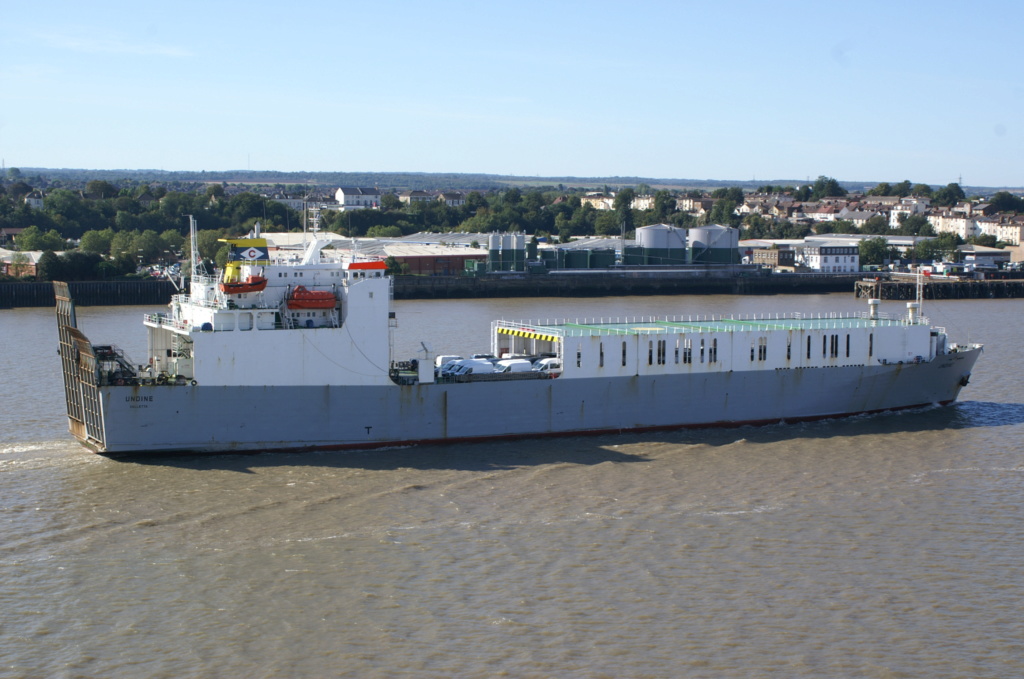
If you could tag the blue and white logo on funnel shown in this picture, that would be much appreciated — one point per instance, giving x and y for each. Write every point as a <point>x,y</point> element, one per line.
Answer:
<point>248,254</point>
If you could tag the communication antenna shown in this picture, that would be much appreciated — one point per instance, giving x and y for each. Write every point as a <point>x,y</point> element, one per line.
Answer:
<point>198,268</point>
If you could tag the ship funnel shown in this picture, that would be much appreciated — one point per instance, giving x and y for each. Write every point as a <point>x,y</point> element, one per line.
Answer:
<point>912,310</point>
<point>873,308</point>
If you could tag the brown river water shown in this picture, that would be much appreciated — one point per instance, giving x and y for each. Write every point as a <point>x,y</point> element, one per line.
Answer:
<point>881,546</point>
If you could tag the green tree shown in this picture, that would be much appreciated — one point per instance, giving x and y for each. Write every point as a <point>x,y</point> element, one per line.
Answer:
<point>147,246</point>
<point>96,241</point>
<point>664,205</point>
<point>384,232</point>
<point>836,226</point>
<point>1004,201</point>
<point>915,225</point>
<point>826,187</point>
<point>756,226</point>
<point>733,193</point>
<point>882,189</point>
<point>80,266</point>
<point>877,224</point>
<point>902,189</point>
<point>607,223</point>
<point>722,212</point>
<point>949,195</point>
<point>623,209</point>
<point>32,239</point>
<point>172,241</point>
<point>208,245</point>
<point>49,267</point>
<point>19,190</point>
<point>876,251</point>
<point>97,188</point>
<point>942,247</point>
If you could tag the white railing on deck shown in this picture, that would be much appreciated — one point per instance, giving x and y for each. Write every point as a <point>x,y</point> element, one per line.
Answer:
<point>751,323</point>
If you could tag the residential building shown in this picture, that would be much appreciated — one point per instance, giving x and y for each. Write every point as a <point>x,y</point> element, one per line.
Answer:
<point>452,199</point>
<point>598,201</point>
<point>642,203</point>
<point>832,256</point>
<point>953,222</point>
<point>354,198</point>
<point>35,200</point>
<point>780,260</point>
<point>410,197</point>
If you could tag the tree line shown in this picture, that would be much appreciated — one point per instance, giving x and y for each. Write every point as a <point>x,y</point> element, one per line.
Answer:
<point>122,226</point>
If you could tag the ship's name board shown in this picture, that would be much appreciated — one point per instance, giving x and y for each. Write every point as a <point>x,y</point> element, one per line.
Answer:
<point>138,399</point>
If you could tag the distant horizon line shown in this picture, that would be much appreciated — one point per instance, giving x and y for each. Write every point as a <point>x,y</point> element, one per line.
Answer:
<point>623,180</point>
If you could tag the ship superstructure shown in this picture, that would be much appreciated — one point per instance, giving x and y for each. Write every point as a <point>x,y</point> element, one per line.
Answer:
<point>292,350</point>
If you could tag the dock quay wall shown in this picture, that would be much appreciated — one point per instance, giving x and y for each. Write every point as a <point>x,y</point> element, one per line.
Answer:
<point>153,292</point>
<point>937,289</point>
<point>613,284</point>
<point>88,293</point>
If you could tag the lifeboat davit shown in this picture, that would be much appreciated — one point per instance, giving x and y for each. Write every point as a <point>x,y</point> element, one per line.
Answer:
<point>250,284</point>
<point>302,298</point>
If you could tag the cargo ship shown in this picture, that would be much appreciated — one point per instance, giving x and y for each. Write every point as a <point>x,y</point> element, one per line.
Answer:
<point>293,351</point>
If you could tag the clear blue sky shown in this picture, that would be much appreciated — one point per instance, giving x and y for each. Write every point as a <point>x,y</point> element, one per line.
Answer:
<point>886,91</point>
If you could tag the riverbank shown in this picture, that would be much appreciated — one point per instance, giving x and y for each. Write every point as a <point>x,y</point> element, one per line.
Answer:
<point>582,284</point>
<point>563,284</point>
<point>88,293</point>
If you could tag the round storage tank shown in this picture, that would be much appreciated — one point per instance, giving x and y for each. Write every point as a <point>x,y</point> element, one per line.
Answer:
<point>661,237</point>
<point>715,244</point>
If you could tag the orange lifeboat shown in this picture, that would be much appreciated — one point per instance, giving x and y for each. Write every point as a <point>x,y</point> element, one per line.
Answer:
<point>302,298</point>
<point>250,284</point>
